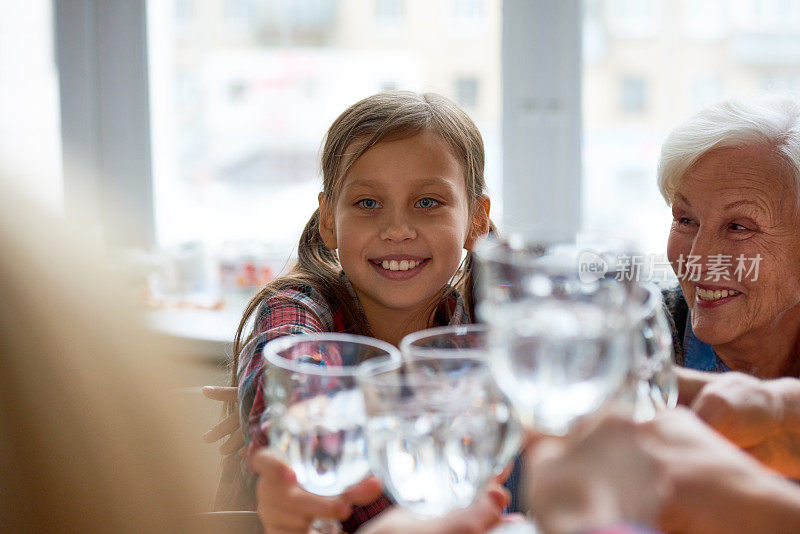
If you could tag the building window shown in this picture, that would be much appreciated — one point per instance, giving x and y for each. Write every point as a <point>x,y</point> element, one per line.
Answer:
<point>706,88</point>
<point>239,110</point>
<point>468,17</point>
<point>389,12</point>
<point>467,91</point>
<point>238,10</point>
<point>633,95</point>
<point>467,9</point>
<point>633,19</point>
<point>184,10</point>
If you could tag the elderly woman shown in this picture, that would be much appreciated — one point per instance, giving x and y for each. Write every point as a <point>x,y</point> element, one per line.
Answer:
<point>731,174</point>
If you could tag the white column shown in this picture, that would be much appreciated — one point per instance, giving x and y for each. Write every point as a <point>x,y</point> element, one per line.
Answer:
<point>101,49</point>
<point>542,117</point>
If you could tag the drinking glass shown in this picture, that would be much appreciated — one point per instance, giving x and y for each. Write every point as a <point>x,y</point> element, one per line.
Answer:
<point>316,410</point>
<point>470,341</point>
<point>651,385</point>
<point>433,431</point>
<point>561,341</point>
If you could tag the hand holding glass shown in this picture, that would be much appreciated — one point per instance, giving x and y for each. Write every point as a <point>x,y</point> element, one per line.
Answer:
<point>316,410</point>
<point>433,431</point>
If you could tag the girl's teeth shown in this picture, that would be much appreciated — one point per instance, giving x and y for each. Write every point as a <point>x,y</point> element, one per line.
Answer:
<point>715,294</point>
<point>402,265</point>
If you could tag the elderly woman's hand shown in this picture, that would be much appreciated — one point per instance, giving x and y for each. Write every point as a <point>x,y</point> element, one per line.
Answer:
<point>760,416</point>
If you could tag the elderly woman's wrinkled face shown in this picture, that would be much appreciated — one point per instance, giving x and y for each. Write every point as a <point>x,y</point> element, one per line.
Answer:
<point>735,245</point>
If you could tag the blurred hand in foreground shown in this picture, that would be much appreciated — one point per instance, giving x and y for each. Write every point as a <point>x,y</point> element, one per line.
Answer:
<point>674,473</point>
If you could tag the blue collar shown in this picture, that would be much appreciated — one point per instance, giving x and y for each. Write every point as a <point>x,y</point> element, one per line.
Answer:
<point>699,355</point>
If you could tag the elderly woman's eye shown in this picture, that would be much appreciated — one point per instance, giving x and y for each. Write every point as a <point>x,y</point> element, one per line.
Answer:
<point>683,220</point>
<point>738,227</point>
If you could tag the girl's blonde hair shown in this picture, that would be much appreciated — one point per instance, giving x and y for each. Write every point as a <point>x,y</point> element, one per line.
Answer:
<point>384,116</point>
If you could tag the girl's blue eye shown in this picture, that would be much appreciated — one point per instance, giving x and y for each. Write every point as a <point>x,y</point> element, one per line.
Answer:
<point>368,203</point>
<point>427,203</point>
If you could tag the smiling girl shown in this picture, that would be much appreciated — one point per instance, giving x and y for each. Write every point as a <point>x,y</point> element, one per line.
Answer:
<point>403,197</point>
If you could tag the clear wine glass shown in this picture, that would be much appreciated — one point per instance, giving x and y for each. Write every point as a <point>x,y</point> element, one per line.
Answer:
<point>433,431</point>
<point>316,410</point>
<point>651,385</point>
<point>470,341</point>
<point>561,341</point>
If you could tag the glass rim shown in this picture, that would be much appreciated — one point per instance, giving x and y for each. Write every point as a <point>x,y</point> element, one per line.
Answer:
<point>406,344</point>
<point>509,249</point>
<point>369,371</point>
<point>275,346</point>
<point>517,249</point>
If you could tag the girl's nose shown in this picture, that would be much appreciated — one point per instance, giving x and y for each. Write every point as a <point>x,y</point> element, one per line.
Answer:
<point>397,228</point>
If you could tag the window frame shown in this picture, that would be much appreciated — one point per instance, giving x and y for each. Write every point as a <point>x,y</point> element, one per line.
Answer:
<point>101,50</point>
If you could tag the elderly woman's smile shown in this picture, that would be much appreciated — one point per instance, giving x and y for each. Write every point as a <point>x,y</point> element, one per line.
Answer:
<point>735,245</point>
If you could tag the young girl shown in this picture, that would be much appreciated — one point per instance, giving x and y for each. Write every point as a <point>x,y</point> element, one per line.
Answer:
<point>403,196</point>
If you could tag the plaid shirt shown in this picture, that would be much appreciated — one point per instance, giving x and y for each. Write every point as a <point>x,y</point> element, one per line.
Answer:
<point>297,310</point>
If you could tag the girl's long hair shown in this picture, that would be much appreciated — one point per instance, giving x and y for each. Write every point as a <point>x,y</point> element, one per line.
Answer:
<point>384,116</point>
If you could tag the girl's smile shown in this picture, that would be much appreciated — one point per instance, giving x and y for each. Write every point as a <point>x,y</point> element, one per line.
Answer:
<point>400,224</point>
<point>399,267</point>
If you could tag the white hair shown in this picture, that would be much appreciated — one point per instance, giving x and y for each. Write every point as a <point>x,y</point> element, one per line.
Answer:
<point>772,122</point>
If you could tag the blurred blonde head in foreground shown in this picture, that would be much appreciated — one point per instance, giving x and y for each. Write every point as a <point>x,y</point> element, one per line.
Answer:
<point>89,437</point>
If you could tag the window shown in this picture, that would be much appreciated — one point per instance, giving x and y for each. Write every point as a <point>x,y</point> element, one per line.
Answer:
<point>184,10</point>
<point>467,17</point>
<point>704,19</point>
<point>238,117</point>
<point>238,10</point>
<point>632,94</point>
<point>633,19</point>
<point>467,91</point>
<point>698,52</point>
<point>706,88</point>
<point>30,147</point>
<point>782,81</point>
<point>467,9</point>
<point>389,12</point>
